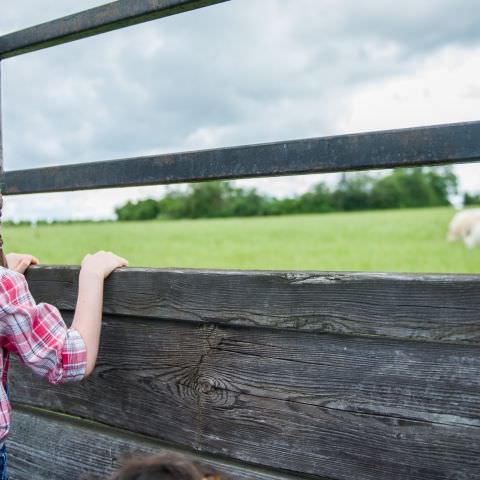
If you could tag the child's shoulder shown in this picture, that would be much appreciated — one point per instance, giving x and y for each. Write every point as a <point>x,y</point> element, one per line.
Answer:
<point>13,288</point>
<point>7,272</point>
<point>9,278</point>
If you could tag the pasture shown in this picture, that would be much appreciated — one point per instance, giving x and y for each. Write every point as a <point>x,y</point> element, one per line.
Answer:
<point>410,240</point>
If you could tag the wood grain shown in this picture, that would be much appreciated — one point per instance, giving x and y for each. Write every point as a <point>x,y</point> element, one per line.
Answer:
<point>311,404</point>
<point>439,308</point>
<point>45,446</point>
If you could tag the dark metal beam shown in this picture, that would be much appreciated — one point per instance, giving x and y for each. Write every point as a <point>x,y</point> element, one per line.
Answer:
<point>105,18</point>
<point>442,144</point>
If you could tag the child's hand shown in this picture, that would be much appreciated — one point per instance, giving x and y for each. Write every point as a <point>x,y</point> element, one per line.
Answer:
<point>20,261</point>
<point>102,263</point>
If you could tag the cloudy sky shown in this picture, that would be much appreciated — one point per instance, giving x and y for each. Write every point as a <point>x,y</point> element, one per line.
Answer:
<point>241,72</point>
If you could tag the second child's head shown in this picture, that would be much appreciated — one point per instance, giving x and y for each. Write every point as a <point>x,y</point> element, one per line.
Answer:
<point>161,467</point>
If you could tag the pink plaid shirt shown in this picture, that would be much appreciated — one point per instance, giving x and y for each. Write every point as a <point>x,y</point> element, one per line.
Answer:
<point>37,334</point>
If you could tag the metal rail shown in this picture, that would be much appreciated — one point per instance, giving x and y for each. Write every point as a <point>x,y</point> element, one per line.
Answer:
<point>393,148</point>
<point>105,18</point>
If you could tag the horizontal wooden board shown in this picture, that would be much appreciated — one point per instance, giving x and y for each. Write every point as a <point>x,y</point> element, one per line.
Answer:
<point>45,446</point>
<point>393,148</point>
<point>332,406</point>
<point>440,308</point>
<point>101,19</point>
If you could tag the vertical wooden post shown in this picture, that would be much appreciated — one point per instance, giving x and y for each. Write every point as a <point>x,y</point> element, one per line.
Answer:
<point>3,260</point>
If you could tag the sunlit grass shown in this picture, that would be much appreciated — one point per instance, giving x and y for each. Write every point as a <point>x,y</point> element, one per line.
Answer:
<point>396,240</point>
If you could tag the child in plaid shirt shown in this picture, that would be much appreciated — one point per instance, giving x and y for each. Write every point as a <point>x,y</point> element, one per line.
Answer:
<point>37,334</point>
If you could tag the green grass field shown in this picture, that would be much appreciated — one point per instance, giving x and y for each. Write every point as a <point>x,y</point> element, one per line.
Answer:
<point>397,240</point>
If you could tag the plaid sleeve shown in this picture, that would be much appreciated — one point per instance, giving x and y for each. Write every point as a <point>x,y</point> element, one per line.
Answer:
<point>38,334</point>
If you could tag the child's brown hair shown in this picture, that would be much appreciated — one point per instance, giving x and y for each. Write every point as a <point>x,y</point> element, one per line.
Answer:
<point>168,466</point>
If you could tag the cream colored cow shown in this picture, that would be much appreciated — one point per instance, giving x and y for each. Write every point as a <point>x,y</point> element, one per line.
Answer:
<point>462,225</point>
<point>473,238</point>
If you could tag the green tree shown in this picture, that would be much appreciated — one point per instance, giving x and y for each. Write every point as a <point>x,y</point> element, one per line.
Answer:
<point>353,192</point>
<point>142,210</point>
<point>388,192</point>
<point>443,182</point>
<point>172,205</point>
<point>402,188</point>
<point>414,187</point>
<point>246,203</point>
<point>317,200</point>
<point>207,199</point>
<point>471,199</point>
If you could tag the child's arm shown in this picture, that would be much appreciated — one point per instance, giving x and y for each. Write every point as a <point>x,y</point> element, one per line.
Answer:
<point>88,312</point>
<point>37,332</point>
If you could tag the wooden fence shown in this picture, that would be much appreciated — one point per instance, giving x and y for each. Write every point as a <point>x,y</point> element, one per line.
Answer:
<point>263,375</point>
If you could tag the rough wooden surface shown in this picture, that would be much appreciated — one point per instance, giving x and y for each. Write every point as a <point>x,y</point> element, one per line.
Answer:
<point>440,308</point>
<point>43,446</point>
<point>325,405</point>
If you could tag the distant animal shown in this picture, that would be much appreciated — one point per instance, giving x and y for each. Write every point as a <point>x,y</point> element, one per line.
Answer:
<point>463,223</point>
<point>473,238</point>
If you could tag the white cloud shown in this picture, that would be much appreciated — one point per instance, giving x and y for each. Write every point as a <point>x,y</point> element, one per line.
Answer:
<point>235,73</point>
<point>442,90</point>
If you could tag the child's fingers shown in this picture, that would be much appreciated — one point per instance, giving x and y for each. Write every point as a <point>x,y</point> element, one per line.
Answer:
<point>123,262</point>
<point>22,265</point>
<point>34,260</point>
<point>28,260</point>
<point>26,257</point>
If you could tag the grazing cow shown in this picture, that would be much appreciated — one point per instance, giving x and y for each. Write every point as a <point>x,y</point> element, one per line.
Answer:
<point>463,223</point>
<point>473,238</point>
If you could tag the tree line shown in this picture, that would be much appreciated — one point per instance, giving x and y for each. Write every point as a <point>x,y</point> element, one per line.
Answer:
<point>471,199</point>
<point>402,188</point>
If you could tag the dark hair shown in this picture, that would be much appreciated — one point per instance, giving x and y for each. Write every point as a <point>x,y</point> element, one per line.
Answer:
<point>168,466</point>
<point>3,258</point>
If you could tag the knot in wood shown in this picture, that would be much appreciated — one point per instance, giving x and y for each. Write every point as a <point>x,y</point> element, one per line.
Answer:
<point>205,386</point>
<point>215,391</point>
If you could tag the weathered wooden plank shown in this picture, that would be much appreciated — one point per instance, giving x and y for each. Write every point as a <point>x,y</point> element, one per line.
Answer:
<point>332,406</point>
<point>440,308</point>
<point>378,376</point>
<point>94,21</point>
<point>392,148</point>
<point>45,446</point>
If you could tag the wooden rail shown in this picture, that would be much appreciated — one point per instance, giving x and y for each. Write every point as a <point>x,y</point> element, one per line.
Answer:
<point>302,400</point>
<point>439,308</point>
